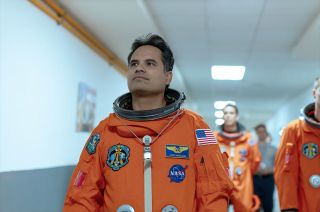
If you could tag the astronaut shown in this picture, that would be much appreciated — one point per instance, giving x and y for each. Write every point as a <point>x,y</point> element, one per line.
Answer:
<point>244,159</point>
<point>297,164</point>
<point>150,154</point>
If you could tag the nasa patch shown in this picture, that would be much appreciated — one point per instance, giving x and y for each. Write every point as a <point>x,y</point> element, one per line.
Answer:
<point>177,173</point>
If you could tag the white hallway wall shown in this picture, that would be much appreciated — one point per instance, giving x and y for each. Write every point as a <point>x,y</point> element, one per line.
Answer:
<point>41,65</point>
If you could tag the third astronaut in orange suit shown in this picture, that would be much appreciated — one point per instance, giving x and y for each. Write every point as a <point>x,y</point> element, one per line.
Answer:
<point>297,164</point>
<point>244,159</point>
<point>150,154</point>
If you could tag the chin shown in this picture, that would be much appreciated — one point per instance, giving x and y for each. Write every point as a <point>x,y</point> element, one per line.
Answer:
<point>145,92</point>
<point>140,91</point>
<point>137,88</point>
<point>229,123</point>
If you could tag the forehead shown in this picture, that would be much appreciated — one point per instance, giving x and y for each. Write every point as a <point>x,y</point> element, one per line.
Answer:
<point>146,52</point>
<point>229,109</point>
<point>260,129</point>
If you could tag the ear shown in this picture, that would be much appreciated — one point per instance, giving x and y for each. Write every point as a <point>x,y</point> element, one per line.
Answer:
<point>314,93</point>
<point>168,77</point>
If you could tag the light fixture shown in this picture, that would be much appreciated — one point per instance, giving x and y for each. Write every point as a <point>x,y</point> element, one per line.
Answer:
<point>219,105</point>
<point>218,114</point>
<point>227,72</point>
<point>219,121</point>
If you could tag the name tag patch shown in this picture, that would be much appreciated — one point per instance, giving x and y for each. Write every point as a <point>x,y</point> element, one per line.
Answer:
<point>177,151</point>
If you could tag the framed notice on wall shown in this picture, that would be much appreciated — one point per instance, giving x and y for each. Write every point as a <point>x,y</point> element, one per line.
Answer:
<point>86,108</point>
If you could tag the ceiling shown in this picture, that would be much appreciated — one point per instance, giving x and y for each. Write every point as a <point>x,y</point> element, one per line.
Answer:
<point>277,40</point>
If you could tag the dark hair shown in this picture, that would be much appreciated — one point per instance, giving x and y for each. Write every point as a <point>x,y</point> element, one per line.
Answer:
<point>158,42</point>
<point>261,126</point>
<point>232,105</point>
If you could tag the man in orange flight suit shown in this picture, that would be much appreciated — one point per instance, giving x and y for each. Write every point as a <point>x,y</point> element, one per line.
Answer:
<point>244,159</point>
<point>297,164</point>
<point>150,155</point>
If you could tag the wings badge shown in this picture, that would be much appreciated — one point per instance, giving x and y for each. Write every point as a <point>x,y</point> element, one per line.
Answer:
<point>177,151</point>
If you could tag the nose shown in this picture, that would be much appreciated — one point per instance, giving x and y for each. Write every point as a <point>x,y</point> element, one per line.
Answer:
<point>140,68</point>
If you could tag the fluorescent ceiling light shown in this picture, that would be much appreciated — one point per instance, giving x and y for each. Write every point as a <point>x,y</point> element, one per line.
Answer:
<point>227,72</point>
<point>218,114</point>
<point>219,121</point>
<point>219,105</point>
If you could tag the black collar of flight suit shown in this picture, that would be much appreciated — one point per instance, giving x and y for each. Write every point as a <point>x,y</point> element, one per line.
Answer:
<point>232,135</point>
<point>308,115</point>
<point>122,106</point>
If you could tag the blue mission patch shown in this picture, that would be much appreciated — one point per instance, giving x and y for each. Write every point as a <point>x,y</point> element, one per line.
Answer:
<point>92,144</point>
<point>176,151</point>
<point>118,156</point>
<point>310,150</point>
<point>243,152</point>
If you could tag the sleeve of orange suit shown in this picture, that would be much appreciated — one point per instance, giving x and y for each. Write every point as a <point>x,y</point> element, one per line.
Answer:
<point>213,184</point>
<point>255,157</point>
<point>87,181</point>
<point>286,170</point>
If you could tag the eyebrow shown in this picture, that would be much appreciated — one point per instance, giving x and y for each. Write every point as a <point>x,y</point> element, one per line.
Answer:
<point>133,61</point>
<point>151,60</point>
<point>147,60</point>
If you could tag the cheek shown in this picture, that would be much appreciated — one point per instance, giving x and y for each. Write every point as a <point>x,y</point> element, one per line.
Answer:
<point>160,79</point>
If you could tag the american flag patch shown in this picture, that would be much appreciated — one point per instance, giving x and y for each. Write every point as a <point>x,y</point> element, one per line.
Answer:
<point>205,137</point>
<point>80,178</point>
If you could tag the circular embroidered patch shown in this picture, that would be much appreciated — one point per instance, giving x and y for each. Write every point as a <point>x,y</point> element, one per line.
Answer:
<point>243,152</point>
<point>310,150</point>
<point>314,181</point>
<point>238,171</point>
<point>169,208</point>
<point>177,173</point>
<point>125,208</point>
<point>118,156</point>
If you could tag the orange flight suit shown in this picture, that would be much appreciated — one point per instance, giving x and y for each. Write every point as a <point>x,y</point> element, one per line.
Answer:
<point>244,159</point>
<point>297,167</point>
<point>102,183</point>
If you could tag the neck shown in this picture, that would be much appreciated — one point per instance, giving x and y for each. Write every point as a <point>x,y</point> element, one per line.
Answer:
<point>230,128</point>
<point>148,102</point>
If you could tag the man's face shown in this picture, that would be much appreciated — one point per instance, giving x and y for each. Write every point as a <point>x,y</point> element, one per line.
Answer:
<point>230,116</point>
<point>261,133</point>
<point>146,73</point>
<point>316,94</point>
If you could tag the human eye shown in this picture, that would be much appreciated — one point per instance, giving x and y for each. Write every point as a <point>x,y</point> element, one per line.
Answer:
<point>151,63</point>
<point>133,63</point>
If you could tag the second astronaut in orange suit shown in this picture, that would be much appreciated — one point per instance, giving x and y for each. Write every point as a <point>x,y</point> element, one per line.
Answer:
<point>150,155</point>
<point>244,159</point>
<point>297,164</point>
